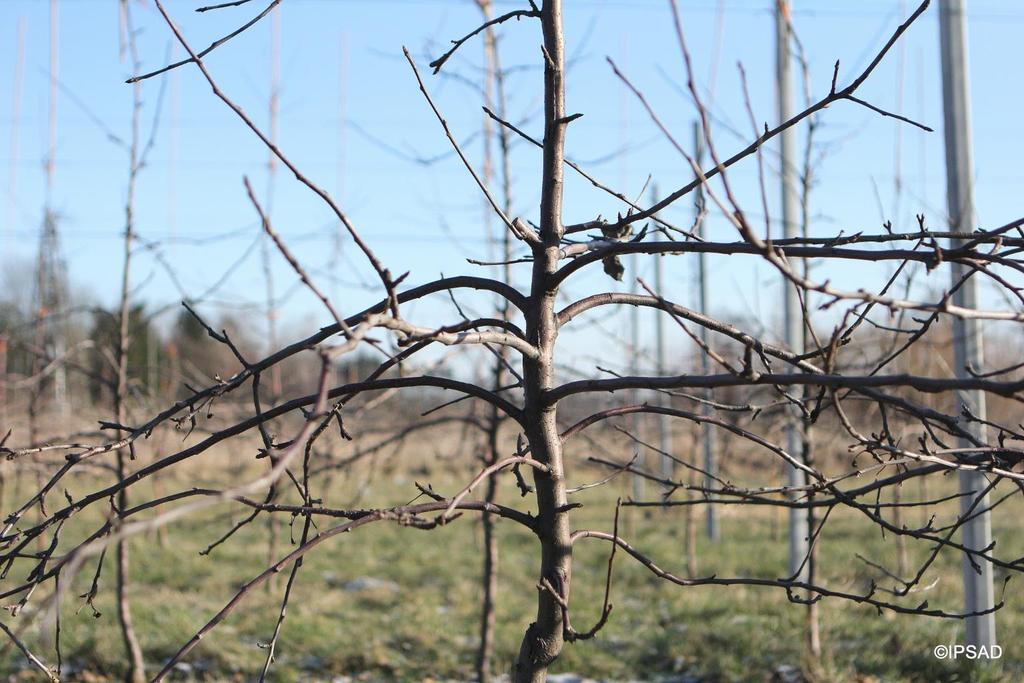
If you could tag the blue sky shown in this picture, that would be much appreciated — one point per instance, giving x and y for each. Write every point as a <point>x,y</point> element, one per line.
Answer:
<point>353,120</point>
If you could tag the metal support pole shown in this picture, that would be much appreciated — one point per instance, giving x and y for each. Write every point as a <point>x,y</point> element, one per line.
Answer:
<point>708,433</point>
<point>664,436</point>
<point>639,483</point>
<point>792,318</point>
<point>967,334</point>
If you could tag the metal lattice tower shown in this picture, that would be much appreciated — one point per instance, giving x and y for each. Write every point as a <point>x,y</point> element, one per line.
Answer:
<point>49,295</point>
<point>48,301</point>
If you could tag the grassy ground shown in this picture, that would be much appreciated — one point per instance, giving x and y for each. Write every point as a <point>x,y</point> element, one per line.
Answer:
<point>419,620</point>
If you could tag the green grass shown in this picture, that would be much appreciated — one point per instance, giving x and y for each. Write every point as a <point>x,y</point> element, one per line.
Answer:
<point>427,626</point>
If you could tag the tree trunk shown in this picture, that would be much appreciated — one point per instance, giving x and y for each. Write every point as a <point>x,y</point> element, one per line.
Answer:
<point>545,637</point>
<point>136,666</point>
<point>490,586</point>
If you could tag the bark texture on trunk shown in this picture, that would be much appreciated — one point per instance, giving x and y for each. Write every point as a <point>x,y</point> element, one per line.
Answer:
<point>545,637</point>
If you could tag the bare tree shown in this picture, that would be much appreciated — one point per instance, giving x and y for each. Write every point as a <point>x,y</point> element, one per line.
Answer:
<point>495,99</point>
<point>839,379</point>
<point>136,666</point>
